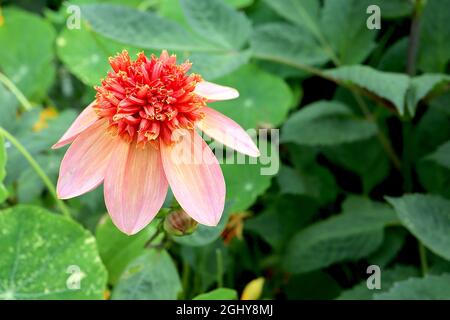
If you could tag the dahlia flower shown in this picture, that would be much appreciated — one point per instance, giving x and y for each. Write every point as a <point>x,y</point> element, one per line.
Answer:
<point>129,138</point>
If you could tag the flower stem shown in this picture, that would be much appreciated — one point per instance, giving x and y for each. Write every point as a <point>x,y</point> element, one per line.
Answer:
<point>408,153</point>
<point>158,231</point>
<point>423,258</point>
<point>219,259</point>
<point>414,37</point>
<point>37,168</point>
<point>185,279</point>
<point>25,103</point>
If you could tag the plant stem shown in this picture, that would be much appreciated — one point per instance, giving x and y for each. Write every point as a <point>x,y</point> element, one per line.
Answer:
<point>385,143</point>
<point>185,279</point>
<point>24,102</point>
<point>423,258</point>
<point>320,73</point>
<point>37,168</point>
<point>219,259</point>
<point>413,46</point>
<point>414,37</point>
<point>155,235</point>
<point>407,155</point>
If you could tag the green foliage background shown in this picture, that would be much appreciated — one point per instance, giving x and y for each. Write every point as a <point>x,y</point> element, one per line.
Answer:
<point>364,149</point>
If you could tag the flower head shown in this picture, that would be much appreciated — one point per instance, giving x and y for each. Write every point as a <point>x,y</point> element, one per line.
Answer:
<point>129,139</point>
<point>147,99</point>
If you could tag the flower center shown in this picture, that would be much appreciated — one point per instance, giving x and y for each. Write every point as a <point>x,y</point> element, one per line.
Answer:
<point>147,99</point>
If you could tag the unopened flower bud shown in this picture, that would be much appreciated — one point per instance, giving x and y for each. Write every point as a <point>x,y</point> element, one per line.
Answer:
<point>178,223</point>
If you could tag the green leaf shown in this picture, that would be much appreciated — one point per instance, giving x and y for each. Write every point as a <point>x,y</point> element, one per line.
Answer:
<point>442,155</point>
<point>149,31</point>
<point>388,279</point>
<point>434,171</point>
<point>28,59</point>
<point>151,276</point>
<point>36,142</point>
<point>90,207</point>
<point>428,218</point>
<point>30,185</point>
<point>173,11</point>
<point>309,178</point>
<point>326,123</point>
<point>350,235</point>
<point>245,182</point>
<point>438,265</point>
<point>3,158</point>
<point>131,3</point>
<point>86,54</point>
<point>218,294</point>
<point>434,177</point>
<point>351,44</point>
<point>301,12</point>
<point>286,44</point>
<point>117,249</point>
<point>140,29</point>
<point>387,85</point>
<point>284,71</point>
<point>212,66</point>
<point>239,3</point>
<point>431,287</point>
<point>264,99</point>
<point>8,109</point>
<point>392,9</point>
<point>359,204</point>
<point>44,256</point>
<point>261,13</point>
<point>421,86</point>
<point>343,23</point>
<point>434,51</point>
<point>204,235</point>
<point>313,181</point>
<point>394,240</point>
<point>283,216</point>
<point>393,58</point>
<point>372,165</point>
<point>217,22</point>
<point>432,129</point>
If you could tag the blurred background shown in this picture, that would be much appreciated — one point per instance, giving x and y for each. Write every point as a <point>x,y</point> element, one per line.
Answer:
<point>358,209</point>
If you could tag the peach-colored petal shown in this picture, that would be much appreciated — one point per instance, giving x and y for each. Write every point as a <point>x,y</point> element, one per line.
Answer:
<point>84,164</point>
<point>215,92</point>
<point>86,119</point>
<point>195,178</point>
<point>227,132</point>
<point>135,186</point>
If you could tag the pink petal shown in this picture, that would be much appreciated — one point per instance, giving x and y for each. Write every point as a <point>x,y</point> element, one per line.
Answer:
<point>86,118</point>
<point>135,186</point>
<point>84,164</point>
<point>227,132</point>
<point>215,92</point>
<point>195,178</point>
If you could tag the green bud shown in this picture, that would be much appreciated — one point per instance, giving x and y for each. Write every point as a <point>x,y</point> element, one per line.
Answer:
<point>178,223</point>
